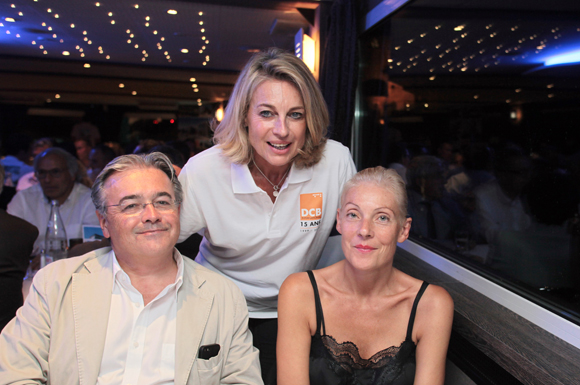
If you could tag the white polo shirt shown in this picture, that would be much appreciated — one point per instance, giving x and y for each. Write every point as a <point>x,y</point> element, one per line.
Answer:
<point>249,239</point>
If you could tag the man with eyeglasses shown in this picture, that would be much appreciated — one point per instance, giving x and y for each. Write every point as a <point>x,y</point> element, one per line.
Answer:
<point>137,312</point>
<point>57,174</point>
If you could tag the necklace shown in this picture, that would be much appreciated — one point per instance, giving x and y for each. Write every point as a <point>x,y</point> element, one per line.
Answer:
<point>275,186</point>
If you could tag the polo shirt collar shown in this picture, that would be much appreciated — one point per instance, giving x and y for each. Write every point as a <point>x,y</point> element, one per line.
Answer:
<point>243,183</point>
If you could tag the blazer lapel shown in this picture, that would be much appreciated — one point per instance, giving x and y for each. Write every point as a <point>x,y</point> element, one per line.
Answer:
<point>91,299</point>
<point>193,308</point>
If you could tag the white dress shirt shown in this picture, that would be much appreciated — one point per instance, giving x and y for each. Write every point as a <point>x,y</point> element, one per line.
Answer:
<point>140,341</point>
<point>32,206</point>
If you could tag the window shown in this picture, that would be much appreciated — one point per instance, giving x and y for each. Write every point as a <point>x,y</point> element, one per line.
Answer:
<point>479,108</point>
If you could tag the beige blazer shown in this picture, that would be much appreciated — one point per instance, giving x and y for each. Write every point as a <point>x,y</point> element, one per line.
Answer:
<point>59,334</point>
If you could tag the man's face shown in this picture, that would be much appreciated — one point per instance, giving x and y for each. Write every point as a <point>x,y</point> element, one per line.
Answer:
<point>83,150</point>
<point>55,179</point>
<point>148,232</point>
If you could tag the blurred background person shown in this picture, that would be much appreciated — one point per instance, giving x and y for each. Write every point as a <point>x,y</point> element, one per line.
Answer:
<point>499,204</point>
<point>17,150</point>
<point>83,148</point>
<point>99,157</point>
<point>59,179</point>
<point>540,255</point>
<point>16,242</point>
<point>435,215</point>
<point>29,179</point>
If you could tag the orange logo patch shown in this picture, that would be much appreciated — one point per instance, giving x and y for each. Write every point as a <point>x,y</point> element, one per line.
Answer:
<point>310,210</point>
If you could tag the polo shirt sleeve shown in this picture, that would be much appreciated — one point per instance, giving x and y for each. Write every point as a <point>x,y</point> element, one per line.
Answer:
<point>348,169</point>
<point>191,216</point>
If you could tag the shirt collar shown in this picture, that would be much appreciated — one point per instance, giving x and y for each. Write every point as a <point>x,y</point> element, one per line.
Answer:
<point>243,183</point>
<point>68,198</point>
<point>118,272</point>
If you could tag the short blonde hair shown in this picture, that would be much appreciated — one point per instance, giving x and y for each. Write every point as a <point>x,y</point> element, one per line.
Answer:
<point>232,134</point>
<point>385,178</point>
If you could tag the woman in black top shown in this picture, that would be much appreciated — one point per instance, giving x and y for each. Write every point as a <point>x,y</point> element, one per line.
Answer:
<point>361,321</point>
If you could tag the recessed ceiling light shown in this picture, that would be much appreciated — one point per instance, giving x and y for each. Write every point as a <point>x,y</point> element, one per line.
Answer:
<point>98,4</point>
<point>200,13</point>
<point>134,93</point>
<point>65,53</point>
<point>136,6</point>
<point>57,96</point>
<point>191,79</point>
<point>87,65</point>
<point>184,50</point>
<point>121,85</point>
<point>172,11</point>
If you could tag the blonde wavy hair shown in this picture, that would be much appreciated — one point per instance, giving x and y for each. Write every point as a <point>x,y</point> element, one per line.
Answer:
<point>231,135</point>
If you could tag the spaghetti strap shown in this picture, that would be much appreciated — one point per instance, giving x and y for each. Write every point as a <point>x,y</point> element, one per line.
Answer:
<point>414,310</point>
<point>319,314</point>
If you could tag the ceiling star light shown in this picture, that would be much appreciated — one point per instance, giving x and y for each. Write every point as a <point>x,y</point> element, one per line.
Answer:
<point>191,79</point>
<point>72,25</point>
<point>49,10</point>
<point>87,65</point>
<point>200,13</point>
<point>184,50</point>
<point>172,12</point>
<point>9,19</point>
<point>121,85</point>
<point>57,96</point>
<point>134,93</point>
<point>98,4</point>
<point>136,6</point>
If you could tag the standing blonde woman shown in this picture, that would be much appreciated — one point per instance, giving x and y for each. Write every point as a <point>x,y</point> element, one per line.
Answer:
<point>361,321</point>
<point>264,197</point>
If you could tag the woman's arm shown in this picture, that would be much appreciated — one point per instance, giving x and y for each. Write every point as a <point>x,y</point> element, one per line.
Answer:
<point>433,329</point>
<point>295,310</point>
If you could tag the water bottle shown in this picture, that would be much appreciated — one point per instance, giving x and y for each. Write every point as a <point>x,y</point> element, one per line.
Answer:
<point>56,243</point>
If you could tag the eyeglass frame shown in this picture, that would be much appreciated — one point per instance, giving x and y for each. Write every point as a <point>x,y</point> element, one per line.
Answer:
<point>174,205</point>
<point>53,172</point>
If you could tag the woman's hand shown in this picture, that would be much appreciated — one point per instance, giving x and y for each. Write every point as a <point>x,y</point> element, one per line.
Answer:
<point>296,324</point>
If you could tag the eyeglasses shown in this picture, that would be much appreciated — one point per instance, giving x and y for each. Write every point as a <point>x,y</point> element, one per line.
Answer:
<point>131,207</point>
<point>54,173</point>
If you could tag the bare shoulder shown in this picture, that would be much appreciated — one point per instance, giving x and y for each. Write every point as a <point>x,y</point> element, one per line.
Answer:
<point>436,299</point>
<point>434,313</point>
<point>296,287</point>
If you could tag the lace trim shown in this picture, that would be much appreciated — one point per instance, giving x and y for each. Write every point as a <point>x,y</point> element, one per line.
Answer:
<point>347,355</point>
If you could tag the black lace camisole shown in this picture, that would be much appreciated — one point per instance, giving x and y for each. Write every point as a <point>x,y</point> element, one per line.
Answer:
<point>333,362</point>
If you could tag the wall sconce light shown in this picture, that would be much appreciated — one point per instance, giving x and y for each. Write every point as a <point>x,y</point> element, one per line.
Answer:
<point>305,49</point>
<point>219,113</point>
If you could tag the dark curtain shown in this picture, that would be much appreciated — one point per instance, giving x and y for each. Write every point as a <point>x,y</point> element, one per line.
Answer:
<point>339,72</point>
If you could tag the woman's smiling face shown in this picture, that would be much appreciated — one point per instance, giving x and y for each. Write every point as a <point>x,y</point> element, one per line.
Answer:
<point>276,123</point>
<point>369,221</point>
